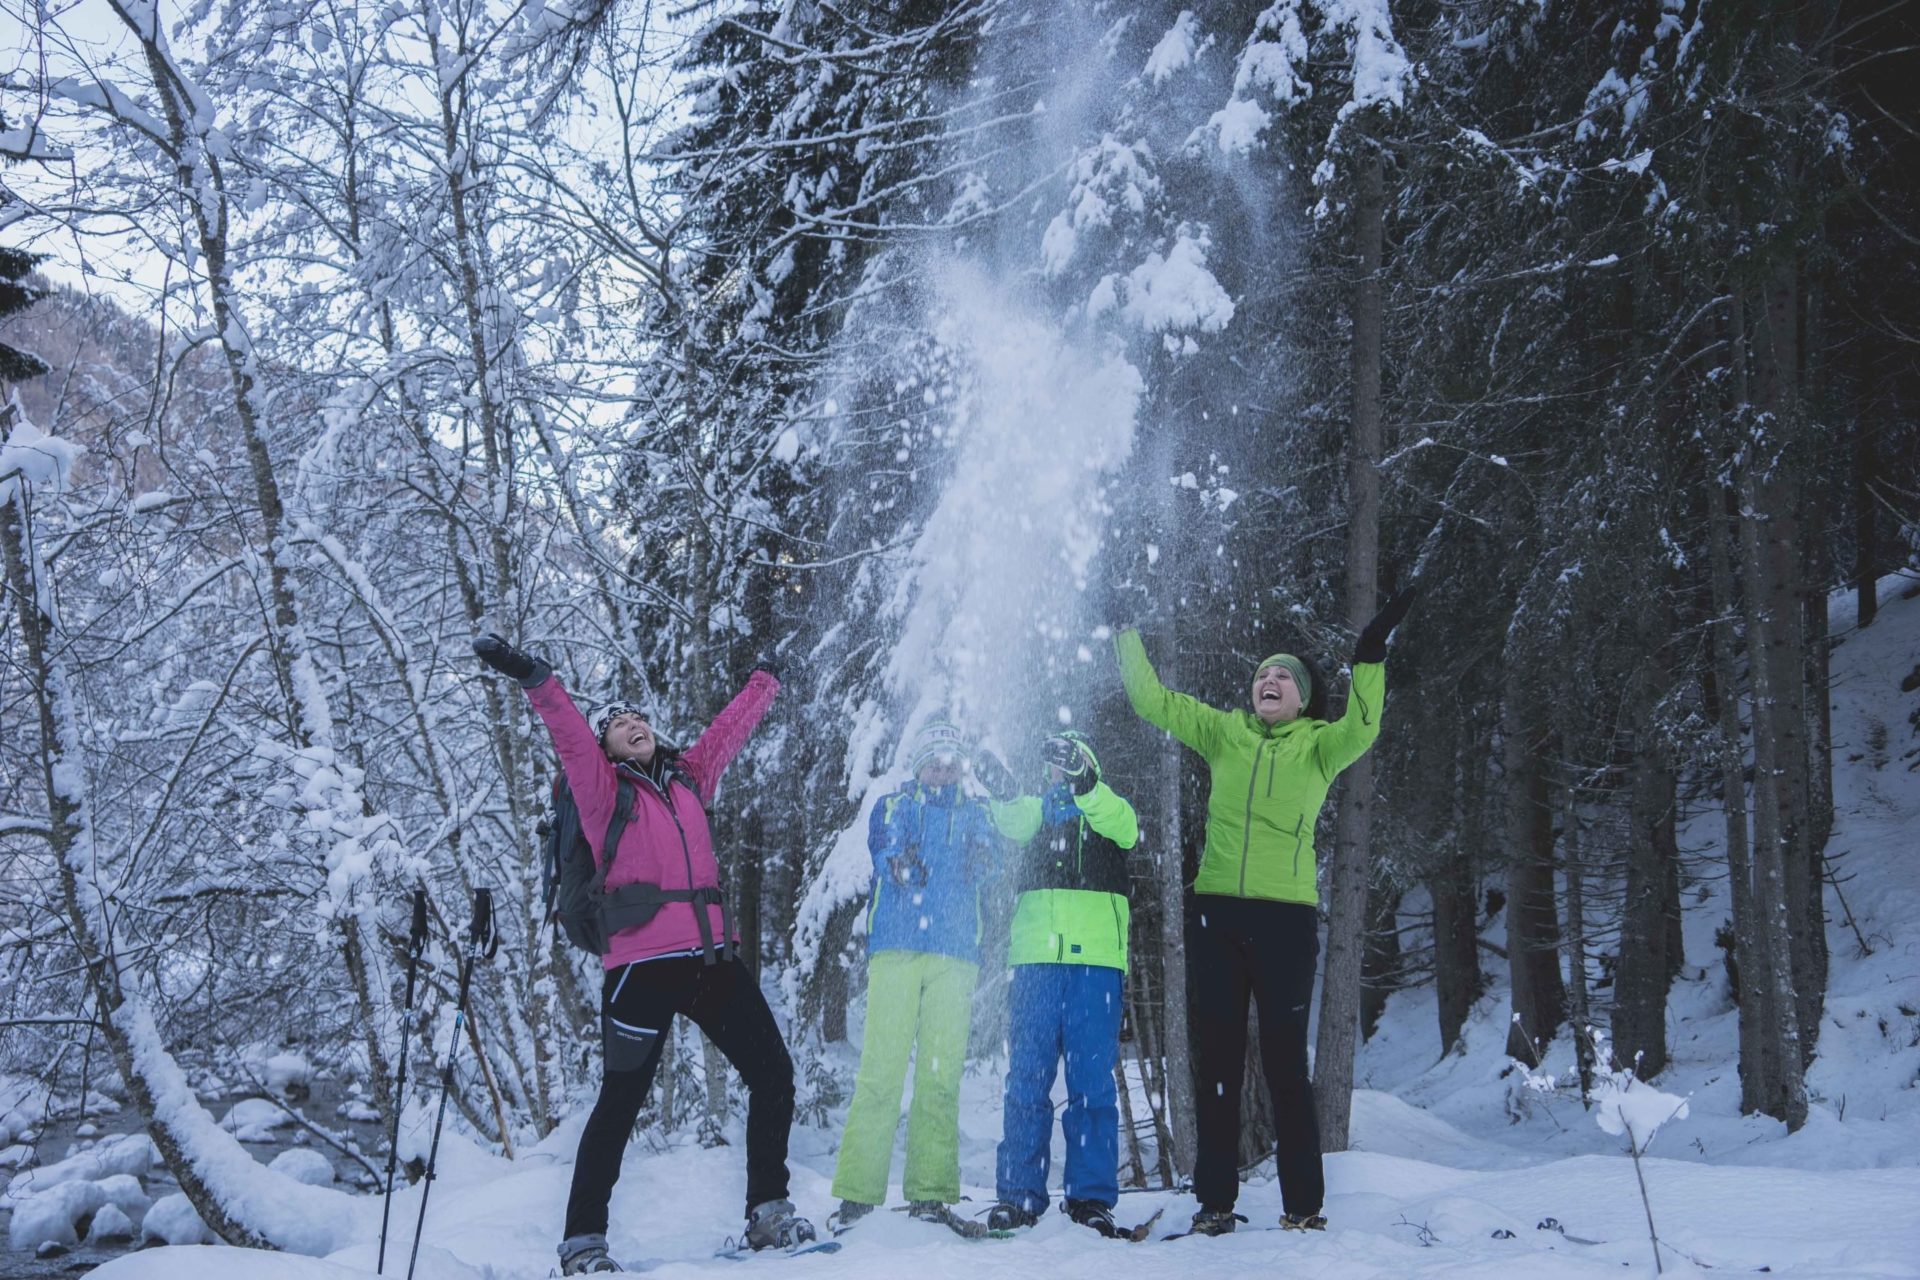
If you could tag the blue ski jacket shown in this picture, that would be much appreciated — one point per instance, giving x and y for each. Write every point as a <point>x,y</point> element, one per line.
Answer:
<point>933,849</point>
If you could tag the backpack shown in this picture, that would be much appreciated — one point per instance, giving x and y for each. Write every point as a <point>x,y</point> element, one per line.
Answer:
<point>574,886</point>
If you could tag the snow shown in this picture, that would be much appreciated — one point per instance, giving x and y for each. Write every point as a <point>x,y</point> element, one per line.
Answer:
<point>286,1071</point>
<point>173,1221</point>
<point>1175,49</point>
<point>110,1226</point>
<point>1177,291</point>
<point>1239,124</point>
<point>30,144</point>
<point>1456,1164</point>
<point>304,1165</point>
<point>1457,1167</point>
<point>255,1119</point>
<point>44,461</point>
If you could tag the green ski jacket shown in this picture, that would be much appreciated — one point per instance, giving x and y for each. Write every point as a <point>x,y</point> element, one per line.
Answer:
<point>1070,875</point>
<point>1268,781</point>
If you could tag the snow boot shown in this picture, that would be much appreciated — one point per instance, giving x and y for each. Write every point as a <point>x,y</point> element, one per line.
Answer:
<point>849,1212</point>
<point>774,1225</point>
<point>1302,1222</point>
<point>1214,1222</point>
<point>586,1255</point>
<point>1091,1213</point>
<point>929,1211</point>
<point>1006,1216</point>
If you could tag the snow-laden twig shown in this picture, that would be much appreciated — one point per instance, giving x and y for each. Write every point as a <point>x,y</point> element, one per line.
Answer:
<point>1623,1110</point>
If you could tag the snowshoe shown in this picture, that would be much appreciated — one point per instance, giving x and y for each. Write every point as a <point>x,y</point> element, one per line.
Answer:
<point>1006,1216</point>
<point>1210,1222</point>
<point>1091,1213</point>
<point>849,1212</point>
<point>943,1214</point>
<point>1302,1222</point>
<point>775,1225</point>
<point>586,1256</point>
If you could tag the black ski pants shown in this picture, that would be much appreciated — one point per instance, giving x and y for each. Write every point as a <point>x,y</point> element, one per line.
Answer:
<point>1240,947</point>
<point>637,1004</point>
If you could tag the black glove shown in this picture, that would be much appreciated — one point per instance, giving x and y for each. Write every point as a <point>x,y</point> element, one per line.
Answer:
<point>509,661</point>
<point>1065,755</point>
<point>1372,645</point>
<point>771,662</point>
<point>994,775</point>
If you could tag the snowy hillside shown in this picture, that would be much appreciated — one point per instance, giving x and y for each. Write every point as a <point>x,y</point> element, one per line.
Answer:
<point>1457,1164</point>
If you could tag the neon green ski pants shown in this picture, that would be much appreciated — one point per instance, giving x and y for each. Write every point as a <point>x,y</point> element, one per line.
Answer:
<point>915,999</point>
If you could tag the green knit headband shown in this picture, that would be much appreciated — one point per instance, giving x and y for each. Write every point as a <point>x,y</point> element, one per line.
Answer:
<point>1295,668</point>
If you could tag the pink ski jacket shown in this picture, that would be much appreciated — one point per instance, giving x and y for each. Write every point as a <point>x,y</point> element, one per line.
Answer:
<point>667,842</point>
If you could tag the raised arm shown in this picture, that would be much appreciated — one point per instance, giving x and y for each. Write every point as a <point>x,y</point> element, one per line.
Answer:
<point>1110,814</point>
<point>1017,819</point>
<point>1185,717</point>
<point>1339,743</point>
<point>589,772</point>
<point>709,757</point>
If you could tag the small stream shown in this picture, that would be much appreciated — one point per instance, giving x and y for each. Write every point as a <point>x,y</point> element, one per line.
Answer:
<point>320,1107</point>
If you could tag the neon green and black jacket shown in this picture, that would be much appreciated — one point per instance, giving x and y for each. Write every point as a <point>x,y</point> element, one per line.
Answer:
<point>1268,781</point>
<point>1070,875</point>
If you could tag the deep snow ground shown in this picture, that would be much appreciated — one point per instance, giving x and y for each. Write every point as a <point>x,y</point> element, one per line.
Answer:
<point>1447,1153</point>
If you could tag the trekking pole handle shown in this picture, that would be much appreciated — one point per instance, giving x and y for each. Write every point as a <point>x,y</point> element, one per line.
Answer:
<point>480,934</point>
<point>417,936</point>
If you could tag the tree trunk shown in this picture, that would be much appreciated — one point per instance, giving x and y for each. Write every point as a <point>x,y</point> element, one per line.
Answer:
<point>1456,900</point>
<point>1579,1005</point>
<point>1866,529</point>
<point>1380,965</point>
<point>1640,978</point>
<point>1771,847</point>
<point>1533,930</point>
<point>1149,1036</point>
<point>1760,1081</point>
<point>1337,1040</point>
<point>1775,500</point>
<point>1170,881</point>
<point>1137,1169</point>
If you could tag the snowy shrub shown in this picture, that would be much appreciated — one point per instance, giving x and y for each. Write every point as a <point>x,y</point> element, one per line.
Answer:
<point>1621,1109</point>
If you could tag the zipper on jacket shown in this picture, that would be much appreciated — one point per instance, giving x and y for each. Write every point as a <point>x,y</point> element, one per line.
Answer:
<point>1246,826</point>
<point>1298,840</point>
<point>1272,761</point>
<point>686,853</point>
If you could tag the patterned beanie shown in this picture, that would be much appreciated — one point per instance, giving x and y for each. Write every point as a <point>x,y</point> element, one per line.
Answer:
<point>1295,668</point>
<point>937,738</point>
<point>604,716</point>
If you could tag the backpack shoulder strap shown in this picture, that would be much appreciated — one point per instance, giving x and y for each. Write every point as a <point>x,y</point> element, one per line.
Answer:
<point>624,791</point>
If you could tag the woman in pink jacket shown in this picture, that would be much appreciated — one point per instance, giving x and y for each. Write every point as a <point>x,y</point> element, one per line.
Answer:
<point>681,960</point>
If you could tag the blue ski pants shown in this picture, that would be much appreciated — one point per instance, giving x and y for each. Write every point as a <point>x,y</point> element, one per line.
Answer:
<point>1070,1012</point>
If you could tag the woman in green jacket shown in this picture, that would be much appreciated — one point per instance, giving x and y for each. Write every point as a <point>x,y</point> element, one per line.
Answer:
<point>1255,926</point>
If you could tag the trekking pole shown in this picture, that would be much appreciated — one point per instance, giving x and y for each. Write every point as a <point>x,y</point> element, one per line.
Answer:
<point>480,937</point>
<point>416,945</point>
